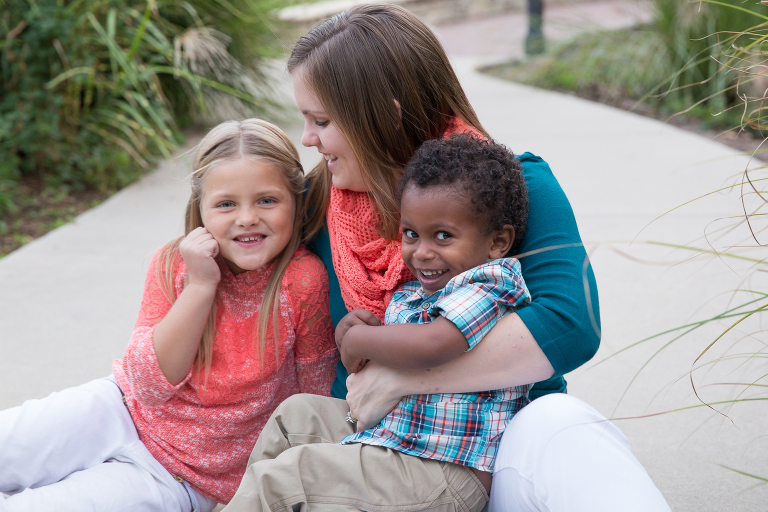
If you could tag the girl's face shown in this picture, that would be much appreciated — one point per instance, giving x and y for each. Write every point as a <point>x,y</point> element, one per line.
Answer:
<point>321,132</point>
<point>249,209</point>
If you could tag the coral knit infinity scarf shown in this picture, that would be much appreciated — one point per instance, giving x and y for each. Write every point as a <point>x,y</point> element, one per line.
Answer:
<point>369,268</point>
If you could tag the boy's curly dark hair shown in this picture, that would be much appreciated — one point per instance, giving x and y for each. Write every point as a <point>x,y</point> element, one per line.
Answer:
<point>487,171</point>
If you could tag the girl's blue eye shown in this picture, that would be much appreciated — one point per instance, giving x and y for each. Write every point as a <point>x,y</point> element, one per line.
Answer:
<point>267,200</point>
<point>226,204</point>
<point>322,123</point>
<point>443,235</point>
<point>409,233</point>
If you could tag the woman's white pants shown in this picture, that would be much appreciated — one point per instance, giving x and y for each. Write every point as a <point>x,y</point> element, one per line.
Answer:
<point>78,450</point>
<point>560,454</point>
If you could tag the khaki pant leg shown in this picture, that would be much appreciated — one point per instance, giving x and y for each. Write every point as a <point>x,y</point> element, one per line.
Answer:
<point>302,419</point>
<point>316,475</point>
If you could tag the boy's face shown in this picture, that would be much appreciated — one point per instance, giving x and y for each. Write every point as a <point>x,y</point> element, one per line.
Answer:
<point>443,236</point>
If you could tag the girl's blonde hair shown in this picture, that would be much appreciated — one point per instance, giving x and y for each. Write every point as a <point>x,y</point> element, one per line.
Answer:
<point>384,79</point>
<point>256,140</point>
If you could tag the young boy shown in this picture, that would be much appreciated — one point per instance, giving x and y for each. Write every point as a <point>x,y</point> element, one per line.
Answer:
<point>463,208</point>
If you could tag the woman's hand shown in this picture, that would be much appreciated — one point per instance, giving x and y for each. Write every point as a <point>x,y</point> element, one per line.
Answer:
<point>372,393</point>
<point>199,250</point>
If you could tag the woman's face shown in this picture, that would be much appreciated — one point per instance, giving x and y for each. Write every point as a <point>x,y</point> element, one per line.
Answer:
<point>321,132</point>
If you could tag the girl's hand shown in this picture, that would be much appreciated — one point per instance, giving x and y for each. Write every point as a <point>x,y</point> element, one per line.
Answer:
<point>371,394</point>
<point>199,249</point>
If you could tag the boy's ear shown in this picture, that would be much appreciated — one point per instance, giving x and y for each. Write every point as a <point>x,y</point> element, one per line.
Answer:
<point>501,242</point>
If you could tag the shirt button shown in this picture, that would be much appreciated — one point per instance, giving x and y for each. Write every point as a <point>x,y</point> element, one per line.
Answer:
<point>426,306</point>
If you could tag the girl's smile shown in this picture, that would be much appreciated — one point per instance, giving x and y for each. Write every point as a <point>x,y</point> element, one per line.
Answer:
<point>248,208</point>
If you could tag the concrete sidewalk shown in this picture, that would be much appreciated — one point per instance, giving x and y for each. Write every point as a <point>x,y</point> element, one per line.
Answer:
<point>69,299</point>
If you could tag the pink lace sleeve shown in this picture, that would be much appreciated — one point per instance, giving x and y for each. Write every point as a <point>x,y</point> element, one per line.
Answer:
<point>316,353</point>
<point>139,365</point>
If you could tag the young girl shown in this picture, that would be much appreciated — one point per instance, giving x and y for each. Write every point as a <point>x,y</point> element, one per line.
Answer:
<point>234,320</point>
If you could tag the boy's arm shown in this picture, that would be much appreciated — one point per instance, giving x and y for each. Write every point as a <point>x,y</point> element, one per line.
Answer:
<point>407,346</point>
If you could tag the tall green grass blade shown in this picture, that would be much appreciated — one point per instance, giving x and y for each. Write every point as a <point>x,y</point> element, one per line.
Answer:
<point>82,70</point>
<point>118,59</point>
<point>736,7</point>
<point>210,83</point>
<point>140,31</point>
<point>744,473</point>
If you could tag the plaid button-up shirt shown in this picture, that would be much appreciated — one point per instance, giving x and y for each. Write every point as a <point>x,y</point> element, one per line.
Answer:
<point>463,428</point>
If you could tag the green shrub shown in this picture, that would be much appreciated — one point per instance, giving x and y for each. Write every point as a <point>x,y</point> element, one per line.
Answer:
<point>598,61</point>
<point>92,91</point>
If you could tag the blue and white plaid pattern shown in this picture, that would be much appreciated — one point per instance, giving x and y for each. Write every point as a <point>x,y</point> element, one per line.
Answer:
<point>463,428</point>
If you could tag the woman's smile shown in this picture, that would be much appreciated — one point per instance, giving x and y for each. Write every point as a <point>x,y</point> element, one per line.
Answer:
<point>321,132</point>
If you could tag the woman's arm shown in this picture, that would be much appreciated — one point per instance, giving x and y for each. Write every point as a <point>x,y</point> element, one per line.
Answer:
<point>508,356</point>
<point>558,332</point>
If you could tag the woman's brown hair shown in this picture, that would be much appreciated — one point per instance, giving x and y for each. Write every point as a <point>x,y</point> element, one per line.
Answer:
<point>259,141</point>
<point>382,76</point>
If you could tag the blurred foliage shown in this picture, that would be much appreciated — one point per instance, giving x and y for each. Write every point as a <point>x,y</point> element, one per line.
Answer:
<point>93,91</point>
<point>729,71</point>
<point>673,65</point>
<point>595,65</point>
<point>714,49</point>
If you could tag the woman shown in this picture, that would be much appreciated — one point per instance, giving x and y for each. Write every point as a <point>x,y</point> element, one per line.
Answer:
<point>373,83</point>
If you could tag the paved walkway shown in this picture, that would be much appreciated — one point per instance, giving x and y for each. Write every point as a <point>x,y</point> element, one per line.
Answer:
<point>499,38</point>
<point>68,300</point>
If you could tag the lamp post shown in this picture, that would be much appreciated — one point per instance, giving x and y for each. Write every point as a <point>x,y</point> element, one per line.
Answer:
<point>534,41</point>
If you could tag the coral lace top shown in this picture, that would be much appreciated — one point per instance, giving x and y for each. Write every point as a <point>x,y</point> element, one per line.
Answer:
<point>205,433</point>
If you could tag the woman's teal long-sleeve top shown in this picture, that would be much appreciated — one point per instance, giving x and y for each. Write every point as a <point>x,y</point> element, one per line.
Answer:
<point>564,315</point>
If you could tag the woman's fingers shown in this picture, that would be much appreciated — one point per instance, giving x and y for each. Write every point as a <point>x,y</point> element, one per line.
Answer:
<point>369,396</point>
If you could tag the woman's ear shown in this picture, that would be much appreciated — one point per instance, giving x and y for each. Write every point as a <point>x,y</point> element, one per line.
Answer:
<point>399,109</point>
<point>501,242</point>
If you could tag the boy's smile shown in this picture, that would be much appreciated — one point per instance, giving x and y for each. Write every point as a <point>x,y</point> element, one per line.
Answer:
<point>442,235</point>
